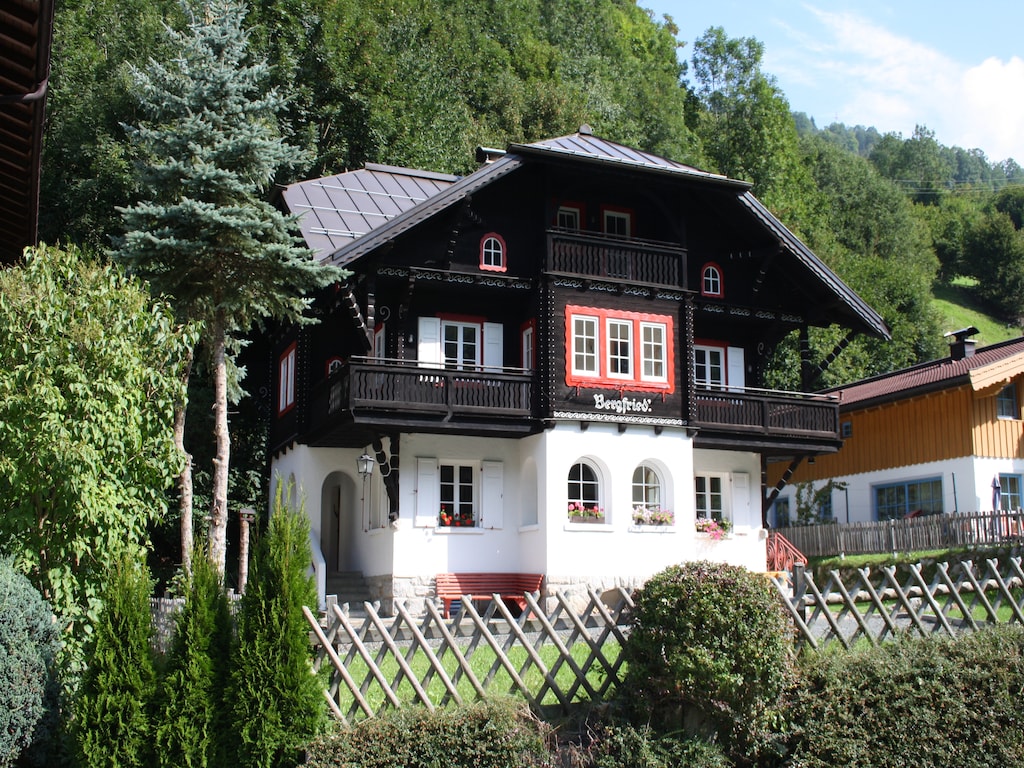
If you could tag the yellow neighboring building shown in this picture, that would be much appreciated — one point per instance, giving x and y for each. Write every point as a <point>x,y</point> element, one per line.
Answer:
<point>934,438</point>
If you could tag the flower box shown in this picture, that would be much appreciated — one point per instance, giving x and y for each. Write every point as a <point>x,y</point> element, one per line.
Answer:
<point>578,513</point>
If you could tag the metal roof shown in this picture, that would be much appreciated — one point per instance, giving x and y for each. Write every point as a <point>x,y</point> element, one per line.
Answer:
<point>336,210</point>
<point>26,28</point>
<point>988,367</point>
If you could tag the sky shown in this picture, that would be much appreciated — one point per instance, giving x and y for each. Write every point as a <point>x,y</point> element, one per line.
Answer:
<point>956,68</point>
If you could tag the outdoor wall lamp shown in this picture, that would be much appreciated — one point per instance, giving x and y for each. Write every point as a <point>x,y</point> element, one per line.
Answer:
<point>365,465</point>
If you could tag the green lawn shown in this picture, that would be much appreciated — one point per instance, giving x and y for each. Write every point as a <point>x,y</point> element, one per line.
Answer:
<point>959,308</point>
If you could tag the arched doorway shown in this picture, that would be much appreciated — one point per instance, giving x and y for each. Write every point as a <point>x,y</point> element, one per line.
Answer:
<point>339,520</point>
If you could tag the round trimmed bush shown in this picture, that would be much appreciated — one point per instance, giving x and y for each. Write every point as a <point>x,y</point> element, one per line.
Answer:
<point>710,652</point>
<point>29,642</point>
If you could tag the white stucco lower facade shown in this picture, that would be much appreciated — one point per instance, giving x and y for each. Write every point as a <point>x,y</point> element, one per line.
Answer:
<point>966,486</point>
<point>521,521</point>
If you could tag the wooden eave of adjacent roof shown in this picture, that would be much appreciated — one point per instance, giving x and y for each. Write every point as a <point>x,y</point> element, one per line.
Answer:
<point>26,29</point>
<point>987,370</point>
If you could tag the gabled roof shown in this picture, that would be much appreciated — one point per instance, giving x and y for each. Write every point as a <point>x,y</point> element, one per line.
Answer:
<point>26,28</point>
<point>343,225</point>
<point>988,368</point>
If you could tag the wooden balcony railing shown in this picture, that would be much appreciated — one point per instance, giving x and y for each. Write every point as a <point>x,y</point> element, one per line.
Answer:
<point>615,258</point>
<point>401,387</point>
<point>768,412</point>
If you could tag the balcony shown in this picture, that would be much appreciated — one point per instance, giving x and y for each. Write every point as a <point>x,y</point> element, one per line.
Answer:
<point>401,394</point>
<point>614,258</point>
<point>767,419</point>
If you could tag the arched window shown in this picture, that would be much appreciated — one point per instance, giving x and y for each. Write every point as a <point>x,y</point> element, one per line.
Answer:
<point>492,252</point>
<point>584,491</point>
<point>711,281</point>
<point>646,487</point>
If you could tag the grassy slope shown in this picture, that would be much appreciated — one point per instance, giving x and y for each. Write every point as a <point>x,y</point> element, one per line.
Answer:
<point>960,309</point>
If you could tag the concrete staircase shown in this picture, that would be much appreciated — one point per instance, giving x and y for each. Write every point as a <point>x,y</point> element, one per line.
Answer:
<point>349,587</point>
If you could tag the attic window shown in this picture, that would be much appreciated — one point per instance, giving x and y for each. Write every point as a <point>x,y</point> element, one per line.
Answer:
<point>492,252</point>
<point>1006,402</point>
<point>711,281</point>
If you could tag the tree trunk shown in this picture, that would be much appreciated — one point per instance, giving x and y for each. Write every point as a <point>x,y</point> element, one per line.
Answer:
<point>185,478</point>
<point>222,459</point>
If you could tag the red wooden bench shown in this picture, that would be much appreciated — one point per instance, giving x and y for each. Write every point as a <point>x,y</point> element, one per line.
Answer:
<point>510,587</point>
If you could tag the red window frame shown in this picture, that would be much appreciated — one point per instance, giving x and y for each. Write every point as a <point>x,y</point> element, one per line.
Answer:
<point>529,325</point>
<point>503,267</point>
<point>721,280</point>
<point>581,211</point>
<point>603,379</point>
<point>712,344</point>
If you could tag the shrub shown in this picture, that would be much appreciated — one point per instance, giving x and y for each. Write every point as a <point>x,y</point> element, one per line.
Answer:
<point>113,722</point>
<point>626,746</point>
<point>192,724</point>
<point>277,703</point>
<point>29,642</point>
<point>494,733</point>
<point>710,651</point>
<point>930,701</point>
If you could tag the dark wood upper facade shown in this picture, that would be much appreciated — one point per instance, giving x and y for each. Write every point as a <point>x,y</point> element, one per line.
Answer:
<point>569,280</point>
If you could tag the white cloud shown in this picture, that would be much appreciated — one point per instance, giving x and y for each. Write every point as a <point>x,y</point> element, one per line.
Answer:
<point>895,83</point>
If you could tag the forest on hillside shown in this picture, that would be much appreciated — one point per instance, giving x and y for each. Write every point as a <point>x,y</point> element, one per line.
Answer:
<point>421,83</point>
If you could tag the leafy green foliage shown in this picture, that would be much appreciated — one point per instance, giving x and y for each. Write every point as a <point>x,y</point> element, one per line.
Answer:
<point>276,701</point>
<point>113,722</point>
<point>191,727</point>
<point>628,746</point>
<point>29,641</point>
<point>927,701</point>
<point>493,733</point>
<point>87,394</point>
<point>710,652</point>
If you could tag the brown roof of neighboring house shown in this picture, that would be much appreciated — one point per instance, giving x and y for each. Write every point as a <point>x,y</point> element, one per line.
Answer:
<point>988,367</point>
<point>26,29</point>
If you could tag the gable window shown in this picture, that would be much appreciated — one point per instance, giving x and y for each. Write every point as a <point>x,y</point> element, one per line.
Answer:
<point>617,222</point>
<point>1006,402</point>
<point>286,380</point>
<point>710,493</point>
<point>584,490</point>
<point>492,253</point>
<point>709,367</point>
<point>613,348</point>
<point>568,217</point>
<point>897,500</point>
<point>711,281</point>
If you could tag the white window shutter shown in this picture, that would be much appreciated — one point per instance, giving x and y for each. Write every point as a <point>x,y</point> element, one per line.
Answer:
<point>741,498</point>
<point>494,356</point>
<point>735,377</point>
<point>492,494</point>
<point>428,493</point>
<point>428,343</point>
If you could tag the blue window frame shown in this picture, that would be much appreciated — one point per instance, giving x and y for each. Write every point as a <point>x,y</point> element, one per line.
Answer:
<point>896,500</point>
<point>1009,492</point>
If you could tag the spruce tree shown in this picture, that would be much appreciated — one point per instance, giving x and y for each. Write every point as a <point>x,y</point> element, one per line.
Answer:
<point>192,726</point>
<point>277,702</point>
<point>113,724</point>
<point>205,235</point>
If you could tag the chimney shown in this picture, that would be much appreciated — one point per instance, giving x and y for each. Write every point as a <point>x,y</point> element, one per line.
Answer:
<point>961,346</point>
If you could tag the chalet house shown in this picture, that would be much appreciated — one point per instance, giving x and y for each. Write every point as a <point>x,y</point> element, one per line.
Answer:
<point>933,438</point>
<point>550,366</point>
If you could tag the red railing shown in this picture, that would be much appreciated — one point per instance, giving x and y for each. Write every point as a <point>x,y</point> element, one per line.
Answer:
<point>782,555</point>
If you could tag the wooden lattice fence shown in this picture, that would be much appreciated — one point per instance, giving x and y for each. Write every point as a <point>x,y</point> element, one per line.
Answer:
<point>873,606</point>
<point>552,659</point>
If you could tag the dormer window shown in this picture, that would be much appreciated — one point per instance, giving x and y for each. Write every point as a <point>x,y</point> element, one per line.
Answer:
<point>711,281</point>
<point>492,252</point>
